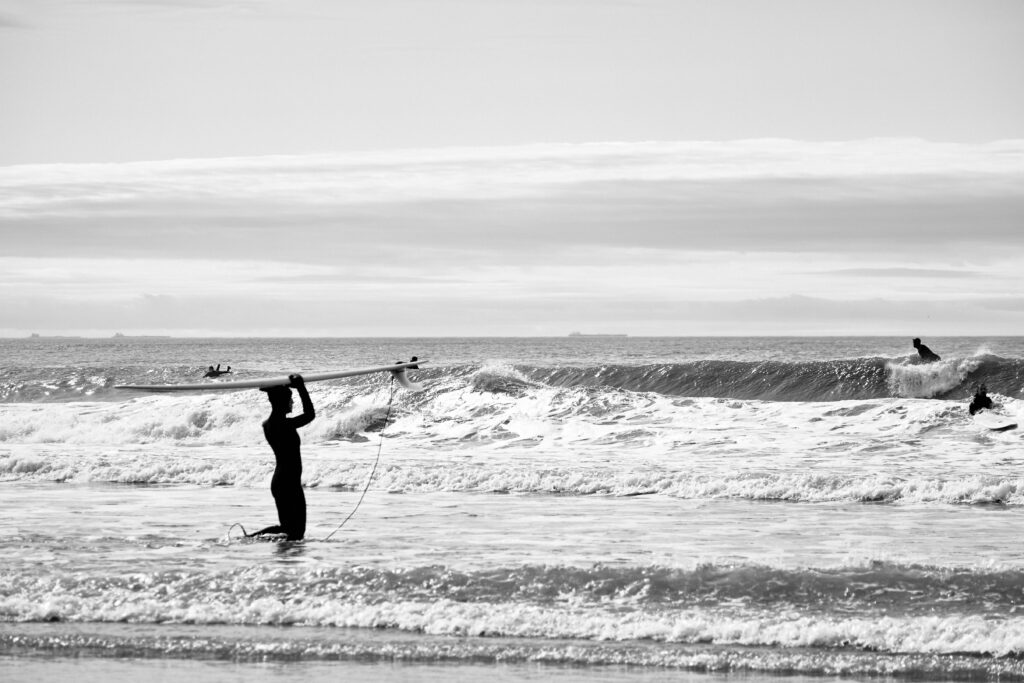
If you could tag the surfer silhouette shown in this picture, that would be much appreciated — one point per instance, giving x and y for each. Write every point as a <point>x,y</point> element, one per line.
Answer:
<point>283,437</point>
<point>981,401</point>
<point>927,355</point>
<point>210,372</point>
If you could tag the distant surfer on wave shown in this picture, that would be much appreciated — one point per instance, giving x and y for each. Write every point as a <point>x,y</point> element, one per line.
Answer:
<point>981,401</point>
<point>283,436</point>
<point>210,372</point>
<point>927,355</point>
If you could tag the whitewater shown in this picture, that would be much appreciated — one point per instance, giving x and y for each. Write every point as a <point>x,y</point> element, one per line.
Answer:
<point>583,508</point>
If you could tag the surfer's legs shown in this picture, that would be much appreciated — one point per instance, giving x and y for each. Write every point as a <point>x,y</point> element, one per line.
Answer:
<point>291,511</point>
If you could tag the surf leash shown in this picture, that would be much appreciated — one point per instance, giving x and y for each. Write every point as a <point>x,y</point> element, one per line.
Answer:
<point>373,470</point>
<point>227,536</point>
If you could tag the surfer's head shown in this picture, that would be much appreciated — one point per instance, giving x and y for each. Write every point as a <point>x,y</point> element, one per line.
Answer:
<point>279,397</point>
<point>917,342</point>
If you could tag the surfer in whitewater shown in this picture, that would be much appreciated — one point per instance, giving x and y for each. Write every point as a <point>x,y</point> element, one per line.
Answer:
<point>981,401</point>
<point>283,436</point>
<point>927,355</point>
<point>210,372</point>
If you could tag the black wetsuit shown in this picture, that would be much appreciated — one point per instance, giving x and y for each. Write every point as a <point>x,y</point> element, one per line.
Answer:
<point>218,372</point>
<point>283,437</point>
<point>927,355</point>
<point>979,402</point>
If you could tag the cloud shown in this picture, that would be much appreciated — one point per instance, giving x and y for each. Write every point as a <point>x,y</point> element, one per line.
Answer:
<point>667,238</point>
<point>771,195</point>
<point>527,170</point>
<point>11,21</point>
<point>172,5</point>
<point>907,273</point>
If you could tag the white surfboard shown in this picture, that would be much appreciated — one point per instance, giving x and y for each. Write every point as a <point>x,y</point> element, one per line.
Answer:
<point>397,369</point>
<point>994,421</point>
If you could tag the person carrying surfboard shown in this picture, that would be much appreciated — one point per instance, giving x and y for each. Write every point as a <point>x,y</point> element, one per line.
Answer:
<point>927,355</point>
<point>282,434</point>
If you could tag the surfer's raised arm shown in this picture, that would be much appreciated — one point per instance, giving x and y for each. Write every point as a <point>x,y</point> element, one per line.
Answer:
<point>308,412</point>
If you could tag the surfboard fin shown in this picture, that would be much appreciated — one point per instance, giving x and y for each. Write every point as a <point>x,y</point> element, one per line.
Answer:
<point>404,380</point>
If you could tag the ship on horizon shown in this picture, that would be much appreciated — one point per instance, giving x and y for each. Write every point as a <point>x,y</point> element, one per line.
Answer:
<point>599,334</point>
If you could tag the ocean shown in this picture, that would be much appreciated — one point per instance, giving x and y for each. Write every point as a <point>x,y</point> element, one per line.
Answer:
<point>568,509</point>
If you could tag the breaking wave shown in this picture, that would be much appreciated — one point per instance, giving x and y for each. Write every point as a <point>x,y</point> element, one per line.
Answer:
<point>832,380</point>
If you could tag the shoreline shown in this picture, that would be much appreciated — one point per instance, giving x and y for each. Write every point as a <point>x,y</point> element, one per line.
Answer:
<point>52,651</point>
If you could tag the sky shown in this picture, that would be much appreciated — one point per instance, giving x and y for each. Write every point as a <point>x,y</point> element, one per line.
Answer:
<point>511,167</point>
